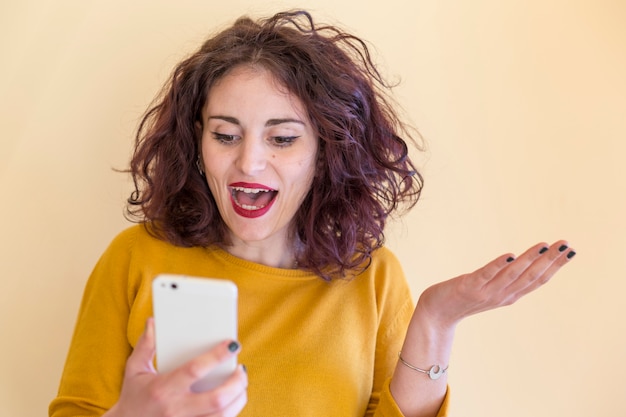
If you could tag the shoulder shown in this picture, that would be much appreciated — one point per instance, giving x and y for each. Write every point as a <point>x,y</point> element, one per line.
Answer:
<point>385,273</point>
<point>134,232</point>
<point>146,254</point>
<point>392,292</point>
<point>132,246</point>
<point>136,236</point>
<point>385,265</point>
<point>384,255</point>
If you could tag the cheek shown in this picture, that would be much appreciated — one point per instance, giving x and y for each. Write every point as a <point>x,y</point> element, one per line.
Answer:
<point>310,168</point>
<point>213,188</point>
<point>214,163</point>
<point>214,177</point>
<point>299,176</point>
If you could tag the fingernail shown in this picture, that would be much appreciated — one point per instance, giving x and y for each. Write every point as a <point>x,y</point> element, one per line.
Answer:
<point>562,248</point>
<point>571,255</point>
<point>543,250</point>
<point>233,346</point>
<point>510,259</point>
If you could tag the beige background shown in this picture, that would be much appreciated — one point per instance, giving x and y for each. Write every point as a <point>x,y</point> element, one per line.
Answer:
<point>522,103</point>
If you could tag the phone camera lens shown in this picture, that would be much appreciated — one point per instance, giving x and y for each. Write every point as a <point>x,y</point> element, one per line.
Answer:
<point>173,285</point>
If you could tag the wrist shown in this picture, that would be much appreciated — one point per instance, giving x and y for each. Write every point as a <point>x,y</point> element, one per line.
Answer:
<point>429,339</point>
<point>435,313</point>
<point>433,321</point>
<point>113,412</point>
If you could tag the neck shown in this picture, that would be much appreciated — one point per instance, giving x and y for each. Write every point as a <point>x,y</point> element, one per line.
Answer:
<point>273,255</point>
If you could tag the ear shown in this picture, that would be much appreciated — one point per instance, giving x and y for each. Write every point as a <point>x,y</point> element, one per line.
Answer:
<point>199,161</point>
<point>200,164</point>
<point>198,131</point>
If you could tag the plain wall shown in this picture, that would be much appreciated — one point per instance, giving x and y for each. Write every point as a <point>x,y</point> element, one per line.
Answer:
<point>522,105</point>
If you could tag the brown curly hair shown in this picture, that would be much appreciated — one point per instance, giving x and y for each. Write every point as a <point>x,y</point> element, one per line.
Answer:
<point>364,172</point>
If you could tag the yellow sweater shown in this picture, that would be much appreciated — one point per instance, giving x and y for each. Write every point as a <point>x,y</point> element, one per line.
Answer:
<point>311,348</point>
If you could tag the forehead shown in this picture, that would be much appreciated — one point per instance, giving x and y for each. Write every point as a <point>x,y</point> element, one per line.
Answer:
<point>252,84</point>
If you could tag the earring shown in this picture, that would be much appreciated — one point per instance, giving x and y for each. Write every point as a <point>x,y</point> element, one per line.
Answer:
<point>199,166</point>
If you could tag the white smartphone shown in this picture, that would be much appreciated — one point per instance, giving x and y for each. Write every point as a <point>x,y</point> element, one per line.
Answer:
<point>191,316</point>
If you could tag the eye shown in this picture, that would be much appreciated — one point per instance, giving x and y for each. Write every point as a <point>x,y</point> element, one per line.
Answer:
<point>223,138</point>
<point>284,141</point>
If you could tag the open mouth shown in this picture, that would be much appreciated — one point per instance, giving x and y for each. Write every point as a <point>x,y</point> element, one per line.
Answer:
<point>252,198</point>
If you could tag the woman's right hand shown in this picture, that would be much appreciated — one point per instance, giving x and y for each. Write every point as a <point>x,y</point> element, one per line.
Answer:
<point>148,393</point>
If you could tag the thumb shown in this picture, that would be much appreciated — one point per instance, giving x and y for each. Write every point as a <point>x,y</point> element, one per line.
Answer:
<point>142,358</point>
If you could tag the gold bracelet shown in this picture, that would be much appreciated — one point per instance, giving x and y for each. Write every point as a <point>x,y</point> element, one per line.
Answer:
<point>434,372</point>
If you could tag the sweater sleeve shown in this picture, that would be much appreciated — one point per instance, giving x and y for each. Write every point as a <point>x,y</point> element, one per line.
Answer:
<point>93,373</point>
<point>387,406</point>
<point>396,308</point>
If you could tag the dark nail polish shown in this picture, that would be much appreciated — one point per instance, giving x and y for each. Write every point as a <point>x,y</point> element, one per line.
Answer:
<point>510,259</point>
<point>571,255</point>
<point>543,250</point>
<point>233,346</point>
<point>562,248</point>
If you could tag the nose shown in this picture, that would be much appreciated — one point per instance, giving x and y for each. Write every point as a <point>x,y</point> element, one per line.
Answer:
<point>252,156</point>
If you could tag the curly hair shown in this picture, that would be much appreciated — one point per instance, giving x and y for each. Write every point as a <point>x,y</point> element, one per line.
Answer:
<point>363,173</point>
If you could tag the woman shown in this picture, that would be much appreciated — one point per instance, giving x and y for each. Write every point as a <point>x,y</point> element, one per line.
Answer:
<point>273,159</point>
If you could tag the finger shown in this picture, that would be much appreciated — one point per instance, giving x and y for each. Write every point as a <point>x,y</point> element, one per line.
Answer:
<point>516,268</point>
<point>142,358</point>
<point>544,268</point>
<point>540,262</point>
<point>228,399</point>
<point>234,409</point>
<point>488,272</point>
<point>198,367</point>
<point>516,278</point>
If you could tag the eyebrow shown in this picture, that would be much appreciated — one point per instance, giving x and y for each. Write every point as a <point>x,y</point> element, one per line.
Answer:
<point>270,122</point>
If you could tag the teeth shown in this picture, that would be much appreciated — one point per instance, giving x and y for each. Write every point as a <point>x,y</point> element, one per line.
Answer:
<point>247,207</point>
<point>251,190</point>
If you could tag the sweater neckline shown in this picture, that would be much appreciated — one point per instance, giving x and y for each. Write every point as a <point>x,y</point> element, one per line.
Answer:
<point>260,268</point>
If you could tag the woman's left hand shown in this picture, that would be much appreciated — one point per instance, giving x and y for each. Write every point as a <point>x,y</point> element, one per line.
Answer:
<point>442,306</point>
<point>501,282</point>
